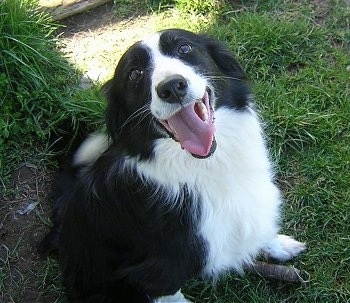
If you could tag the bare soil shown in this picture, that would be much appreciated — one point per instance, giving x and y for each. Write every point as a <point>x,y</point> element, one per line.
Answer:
<point>95,41</point>
<point>23,220</point>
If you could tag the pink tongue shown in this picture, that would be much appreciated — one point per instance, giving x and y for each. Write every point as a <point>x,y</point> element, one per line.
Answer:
<point>195,135</point>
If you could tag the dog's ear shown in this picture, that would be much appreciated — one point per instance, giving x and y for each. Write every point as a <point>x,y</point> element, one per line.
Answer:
<point>224,59</point>
<point>114,114</point>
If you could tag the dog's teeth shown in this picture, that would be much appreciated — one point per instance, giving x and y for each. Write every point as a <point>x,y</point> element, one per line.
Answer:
<point>205,116</point>
<point>171,129</point>
<point>203,112</point>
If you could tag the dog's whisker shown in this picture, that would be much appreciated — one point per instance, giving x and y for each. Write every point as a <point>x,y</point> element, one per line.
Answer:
<point>141,111</point>
<point>219,77</point>
<point>136,114</point>
<point>143,115</point>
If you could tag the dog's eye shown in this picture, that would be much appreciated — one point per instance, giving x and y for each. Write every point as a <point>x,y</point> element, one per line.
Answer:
<point>135,74</point>
<point>184,49</point>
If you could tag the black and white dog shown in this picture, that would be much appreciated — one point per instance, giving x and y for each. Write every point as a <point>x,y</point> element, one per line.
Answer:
<point>182,185</point>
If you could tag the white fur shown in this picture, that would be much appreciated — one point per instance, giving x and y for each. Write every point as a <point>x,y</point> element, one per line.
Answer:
<point>176,298</point>
<point>283,248</point>
<point>240,203</point>
<point>167,66</point>
<point>92,147</point>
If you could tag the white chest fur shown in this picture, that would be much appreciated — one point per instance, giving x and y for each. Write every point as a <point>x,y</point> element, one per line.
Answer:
<point>239,202</point>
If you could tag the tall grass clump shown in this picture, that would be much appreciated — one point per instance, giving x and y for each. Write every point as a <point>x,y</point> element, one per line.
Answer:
<point>34,78</point>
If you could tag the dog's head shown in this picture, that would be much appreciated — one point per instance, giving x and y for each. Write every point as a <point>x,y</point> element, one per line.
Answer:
<point>169,86</point>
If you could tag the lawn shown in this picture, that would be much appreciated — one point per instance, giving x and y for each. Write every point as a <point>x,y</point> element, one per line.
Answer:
<point>296,54</point>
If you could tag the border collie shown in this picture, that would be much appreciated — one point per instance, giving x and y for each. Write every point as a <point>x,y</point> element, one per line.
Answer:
<point>180,187</point>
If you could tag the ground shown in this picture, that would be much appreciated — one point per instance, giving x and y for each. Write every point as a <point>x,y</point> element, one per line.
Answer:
<point>22,226</point>
<point>90,39</point>
<point>23,215</point>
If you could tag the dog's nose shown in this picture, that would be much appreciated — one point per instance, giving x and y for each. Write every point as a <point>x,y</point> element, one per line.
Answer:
<point>172,89</point>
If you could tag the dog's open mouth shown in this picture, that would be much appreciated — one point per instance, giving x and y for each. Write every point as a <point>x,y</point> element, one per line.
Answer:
<point>193,127</point>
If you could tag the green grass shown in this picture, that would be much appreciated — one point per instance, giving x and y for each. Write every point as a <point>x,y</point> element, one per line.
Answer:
<point>297,64</point>
<point>33,78</point>
<point>296,55</point>
<point>38,86</point>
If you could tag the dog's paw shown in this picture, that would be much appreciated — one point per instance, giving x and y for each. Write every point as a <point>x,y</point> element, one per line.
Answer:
<point>283,248</point>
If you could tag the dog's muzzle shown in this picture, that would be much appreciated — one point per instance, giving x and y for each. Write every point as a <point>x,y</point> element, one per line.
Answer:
<point>193,124</point>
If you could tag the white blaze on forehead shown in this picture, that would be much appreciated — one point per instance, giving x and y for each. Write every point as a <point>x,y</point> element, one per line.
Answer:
<point>166,66</point>
<point>191,124</point>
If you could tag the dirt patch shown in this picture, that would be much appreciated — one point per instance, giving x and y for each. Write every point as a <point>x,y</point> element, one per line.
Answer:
<point>22,224</point>
<point>321,8</point>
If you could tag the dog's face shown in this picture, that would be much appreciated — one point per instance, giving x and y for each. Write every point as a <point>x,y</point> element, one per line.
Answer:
<point>168,86</point>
